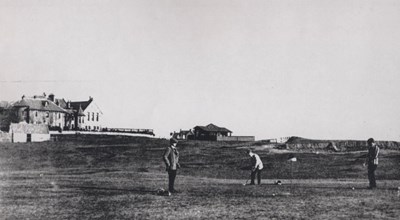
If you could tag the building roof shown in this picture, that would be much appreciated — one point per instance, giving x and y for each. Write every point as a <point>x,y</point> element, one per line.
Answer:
<point>80,112</point>
<point>185,132</point>
<point>61,102</point>
<point>24,128</point>
<point>39,104</point>
<point>213,128</point>
<point>81,104</point>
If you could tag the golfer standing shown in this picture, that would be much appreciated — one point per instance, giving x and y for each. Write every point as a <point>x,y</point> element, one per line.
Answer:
<point>372,161</point>
<point>256,167</point>
<point>171,159</point>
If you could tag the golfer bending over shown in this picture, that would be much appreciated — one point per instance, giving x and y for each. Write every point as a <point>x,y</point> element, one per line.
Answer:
<point>372,161</point>
<point>171,158</point>
<point>256,167</point>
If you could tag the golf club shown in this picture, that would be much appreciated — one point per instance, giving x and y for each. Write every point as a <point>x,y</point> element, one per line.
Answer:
<point>247,180</point>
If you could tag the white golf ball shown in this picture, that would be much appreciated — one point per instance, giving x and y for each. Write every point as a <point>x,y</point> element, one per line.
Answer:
<point>352,188</point>
<point>273,194</point>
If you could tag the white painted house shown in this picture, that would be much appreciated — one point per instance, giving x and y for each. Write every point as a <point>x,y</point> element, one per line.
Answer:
<point>89,115</point>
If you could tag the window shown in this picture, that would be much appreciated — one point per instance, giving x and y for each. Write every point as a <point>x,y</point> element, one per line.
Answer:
<point>88,116</point>
<point>79,119</point>
<point>47,114</point>
<point>97,117</point>
<point>59,115</point>
<point>92,116</point>
<point>35,113</point>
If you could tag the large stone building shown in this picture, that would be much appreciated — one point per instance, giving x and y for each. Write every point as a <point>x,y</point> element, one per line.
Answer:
<point>58,114</point>
<point>40,110</point>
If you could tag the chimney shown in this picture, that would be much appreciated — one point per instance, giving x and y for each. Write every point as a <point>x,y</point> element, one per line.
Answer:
<point>51,97</point>
<point>23,97</point>
<point>90,98</point>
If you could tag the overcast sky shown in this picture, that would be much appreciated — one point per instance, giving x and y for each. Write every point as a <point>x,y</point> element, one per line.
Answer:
<point>316,69</point>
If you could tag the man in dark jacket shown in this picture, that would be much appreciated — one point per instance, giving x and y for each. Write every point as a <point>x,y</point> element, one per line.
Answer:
<point>372,161</point>
<point>171,159</point>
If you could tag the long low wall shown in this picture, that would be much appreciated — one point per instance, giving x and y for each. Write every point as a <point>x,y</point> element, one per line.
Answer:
<point>53,133</point>
<point>236,138</point>
<point>40,137</point>
<point>23,138</point>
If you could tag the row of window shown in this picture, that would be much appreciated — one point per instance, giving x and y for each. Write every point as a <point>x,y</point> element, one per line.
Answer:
<point>88,116</point>
<point>48,114</point>
<point>80,121</point>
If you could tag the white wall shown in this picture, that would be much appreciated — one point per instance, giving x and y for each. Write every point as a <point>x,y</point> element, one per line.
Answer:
<point>19,138</point>
<point>40,137</point>
<point>93,110</point>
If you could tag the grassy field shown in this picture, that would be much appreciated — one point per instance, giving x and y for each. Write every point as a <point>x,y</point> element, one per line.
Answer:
<point>97,177</point>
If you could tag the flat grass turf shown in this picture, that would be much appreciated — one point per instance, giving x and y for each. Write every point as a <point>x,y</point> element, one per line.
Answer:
<point>91,194</point>
<point>117,178</point>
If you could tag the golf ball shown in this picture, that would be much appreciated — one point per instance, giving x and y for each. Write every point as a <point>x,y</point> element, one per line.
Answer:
<point>273,194</point>
<point>352,188</point>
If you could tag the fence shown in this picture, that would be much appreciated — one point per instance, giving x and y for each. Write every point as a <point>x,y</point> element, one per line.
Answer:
<point>236,138</point>
<point>129,130</point>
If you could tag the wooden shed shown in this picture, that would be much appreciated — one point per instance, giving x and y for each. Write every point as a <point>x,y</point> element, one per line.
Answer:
<point>210,132</point>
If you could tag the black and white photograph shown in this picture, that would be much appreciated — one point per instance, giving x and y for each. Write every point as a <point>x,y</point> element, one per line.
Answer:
<point>199,109</point>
